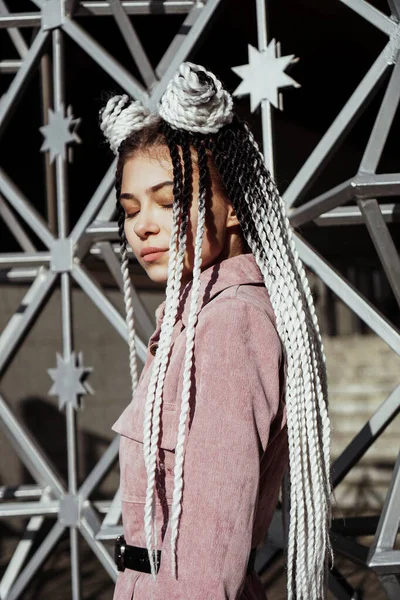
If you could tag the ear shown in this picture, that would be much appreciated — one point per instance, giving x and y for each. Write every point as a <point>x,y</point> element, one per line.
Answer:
<point>231,218</point>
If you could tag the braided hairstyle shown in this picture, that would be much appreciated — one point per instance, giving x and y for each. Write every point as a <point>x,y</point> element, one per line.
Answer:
<point>195,115</point>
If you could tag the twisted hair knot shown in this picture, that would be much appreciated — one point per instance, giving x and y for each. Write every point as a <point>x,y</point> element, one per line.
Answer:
<point>120,117</point>
<point>195,100</point>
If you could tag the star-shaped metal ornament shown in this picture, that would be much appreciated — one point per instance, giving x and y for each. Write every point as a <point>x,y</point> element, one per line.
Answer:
<point>69,381</point>
<point>59,132</point>
<point>264,75</point>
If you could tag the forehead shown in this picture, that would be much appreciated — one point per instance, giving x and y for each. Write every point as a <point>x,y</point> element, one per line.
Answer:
<point>145,169</point>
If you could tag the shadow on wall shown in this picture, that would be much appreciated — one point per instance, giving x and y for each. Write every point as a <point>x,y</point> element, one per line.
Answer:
<point>47,425</point>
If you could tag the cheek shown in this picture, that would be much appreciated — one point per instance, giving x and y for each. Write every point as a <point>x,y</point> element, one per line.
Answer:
<point>131,238</point>
<point>193,219</point>
<point>126,229</point>
<point>214,227</point>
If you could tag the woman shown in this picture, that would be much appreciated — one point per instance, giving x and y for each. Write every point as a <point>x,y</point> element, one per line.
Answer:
<point>234,385</point>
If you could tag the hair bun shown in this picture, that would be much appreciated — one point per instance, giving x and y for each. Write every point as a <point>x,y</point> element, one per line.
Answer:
<point>120,117</point>
<point>195,100</point>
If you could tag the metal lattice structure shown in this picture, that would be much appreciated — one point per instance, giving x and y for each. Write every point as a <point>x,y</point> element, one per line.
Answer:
<point>53,20</point>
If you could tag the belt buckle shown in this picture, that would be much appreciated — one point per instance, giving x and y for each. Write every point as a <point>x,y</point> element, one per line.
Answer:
<point>119,552</point>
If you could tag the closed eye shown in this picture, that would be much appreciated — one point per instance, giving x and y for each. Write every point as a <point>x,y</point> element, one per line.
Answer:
<point>132,215</point>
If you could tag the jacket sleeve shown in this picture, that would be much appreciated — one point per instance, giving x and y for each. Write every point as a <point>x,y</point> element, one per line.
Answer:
<point>237,358</point>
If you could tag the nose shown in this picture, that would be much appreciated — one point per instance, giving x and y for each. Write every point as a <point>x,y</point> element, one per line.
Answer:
<point>145,224</point>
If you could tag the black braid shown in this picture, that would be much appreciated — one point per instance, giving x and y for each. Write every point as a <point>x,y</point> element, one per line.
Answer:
<point>121,229</point>
<point>188,170</point>
<point>241,167</point>
<point>182,191</point>
<point>204,179</point>
<point>176,161</point>
<point>230,154</point>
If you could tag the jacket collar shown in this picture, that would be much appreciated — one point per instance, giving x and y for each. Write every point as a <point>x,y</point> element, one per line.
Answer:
<point>236,270</point>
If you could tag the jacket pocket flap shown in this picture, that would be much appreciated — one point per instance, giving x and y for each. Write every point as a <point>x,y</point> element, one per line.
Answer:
<point>130,424</point>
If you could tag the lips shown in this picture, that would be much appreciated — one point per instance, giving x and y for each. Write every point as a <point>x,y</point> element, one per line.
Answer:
<point>151,250</point>
<point>151,256</point>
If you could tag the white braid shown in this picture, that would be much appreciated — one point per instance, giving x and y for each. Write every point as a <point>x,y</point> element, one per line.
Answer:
<point>300,413</point>
<point>320,360</point>
<point>129,318</point>
<point>190,333</point>
<point>195,101</point>
<point>121,116</point>
<point>158,373</point>
<point>287,321</point>
<point>153,401</point>
<point>274,230</point>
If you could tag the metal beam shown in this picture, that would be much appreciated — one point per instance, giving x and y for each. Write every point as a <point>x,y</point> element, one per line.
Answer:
<point>109,533</point>
<point>383,123</point>
<point>391,585</point>
<point>338,585</point>
<point>364,439</point>
<point>349,548</point>
<point>98,548</point>
<point>101,469</point>
<point>21,491</point>
<point>186,47</point>
<point>28,451</point>
<point>345,120</point>
<point>103,230</point>
<point>266,108</point>
<point>93,290</point>
<point>383,243</point>
<point>15,35</point>
<point>14,226</point>
<point>133,43</point>
<point>93,207</point>
<point>395,9</point>
<point>108,209</point>
<point>28,509</point>
<point>21,553</point>
<point>13,259</point>
<point>36,561</point>
<point>178,40</point>
<point>352,215</point>
<point>136,7</point>
<point>18,326</point>
<point>372,15</point>
<point>387,529</point>
<point>308,211</point>
<point>349,295</point>
<point>20,20</point>
<point>386,562</point>
<point>370,185</point>
<point>19,83</point>
<point>10,66</point>
<point>355,526</point>
<point>113,514</point>
<point>18,275</point>
<point>106,61</point>
<point>25,209</point>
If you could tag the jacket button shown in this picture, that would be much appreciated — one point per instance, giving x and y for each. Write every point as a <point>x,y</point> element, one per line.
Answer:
<point>153,348</point>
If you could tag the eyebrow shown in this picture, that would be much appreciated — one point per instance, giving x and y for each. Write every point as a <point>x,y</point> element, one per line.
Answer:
<point>153,188</point>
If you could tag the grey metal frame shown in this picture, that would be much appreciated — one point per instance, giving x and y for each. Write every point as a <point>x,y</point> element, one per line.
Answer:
<point>328,209</point>
<point>95,232</point>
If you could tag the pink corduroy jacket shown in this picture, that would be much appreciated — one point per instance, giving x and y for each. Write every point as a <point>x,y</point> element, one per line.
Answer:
<point>236,448</point>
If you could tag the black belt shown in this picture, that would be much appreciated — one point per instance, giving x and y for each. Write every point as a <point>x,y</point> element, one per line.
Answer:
<point>133,557</point>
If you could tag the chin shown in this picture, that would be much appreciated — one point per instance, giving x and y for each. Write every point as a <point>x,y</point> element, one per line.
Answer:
<point>157,273</point>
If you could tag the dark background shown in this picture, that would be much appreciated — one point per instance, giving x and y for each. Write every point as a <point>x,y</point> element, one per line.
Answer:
<point>336,48</point>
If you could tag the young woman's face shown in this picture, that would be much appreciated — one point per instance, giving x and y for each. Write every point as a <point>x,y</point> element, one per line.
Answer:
<point>147,197</point>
